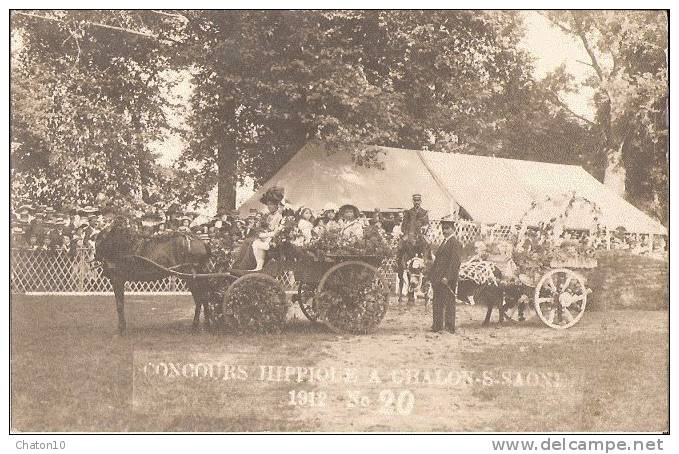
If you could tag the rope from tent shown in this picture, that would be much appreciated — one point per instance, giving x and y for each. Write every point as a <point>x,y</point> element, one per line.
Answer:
<point>438,181</point>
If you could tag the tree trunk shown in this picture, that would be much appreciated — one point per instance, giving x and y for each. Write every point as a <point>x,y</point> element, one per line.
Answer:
<point>614,176</point>
<point>226,178</point>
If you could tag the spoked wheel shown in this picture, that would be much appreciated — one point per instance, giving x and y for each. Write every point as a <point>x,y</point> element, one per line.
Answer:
<point>560,298</point>
<point>517,306</point>
<point>255,302</point>
<point>352,297</point>
<point>306,294</point>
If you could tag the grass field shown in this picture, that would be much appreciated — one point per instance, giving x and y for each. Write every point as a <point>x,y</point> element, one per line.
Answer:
<point>70,372</point>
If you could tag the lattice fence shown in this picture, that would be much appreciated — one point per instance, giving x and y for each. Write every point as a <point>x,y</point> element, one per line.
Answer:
<point>46,271</point>
<point>61,272</point>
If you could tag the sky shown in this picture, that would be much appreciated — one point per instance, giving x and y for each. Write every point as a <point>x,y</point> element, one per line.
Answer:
<point>550,46</point>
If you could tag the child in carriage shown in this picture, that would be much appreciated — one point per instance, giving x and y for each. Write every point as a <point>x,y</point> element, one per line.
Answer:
<point>305,225</point>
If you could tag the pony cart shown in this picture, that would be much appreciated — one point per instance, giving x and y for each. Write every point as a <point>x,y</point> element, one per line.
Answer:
<point>556,293</point>
<point>346,293</point>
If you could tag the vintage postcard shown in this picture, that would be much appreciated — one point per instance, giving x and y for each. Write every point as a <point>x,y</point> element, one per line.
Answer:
<point>345,221</point>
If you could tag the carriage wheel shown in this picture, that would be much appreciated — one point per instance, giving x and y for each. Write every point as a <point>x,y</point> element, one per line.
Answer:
<point>255,302</point>
<point>306,294</point>
<point>517,306</point>
<point>352,297</point>
<point>560,298</point>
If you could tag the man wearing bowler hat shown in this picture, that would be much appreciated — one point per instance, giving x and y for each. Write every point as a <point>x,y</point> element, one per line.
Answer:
<point>415,218</point>
<point>443,276</point>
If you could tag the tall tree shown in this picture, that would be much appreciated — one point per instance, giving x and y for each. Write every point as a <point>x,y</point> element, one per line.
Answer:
<point>266,82</point>
<point>627,56</point>
<point>86,101</point>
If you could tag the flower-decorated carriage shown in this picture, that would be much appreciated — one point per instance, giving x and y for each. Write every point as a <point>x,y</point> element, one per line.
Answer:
<point>347,293</point>
<point>553,289</point>
<point>542,271</point>
<point>339,282</point>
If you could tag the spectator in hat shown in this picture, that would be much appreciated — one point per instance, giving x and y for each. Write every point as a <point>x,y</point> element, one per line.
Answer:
<point>160,229</point>
<point>416,218</point>
<point>173,213</point>
<point>185,225</point>
<point>92,227</point>
<point>54,239</point>
<point>89,210</point>
<point>32,242</point>
<point>149,222</point>
<point>24,213</point>
<point>17,238</point>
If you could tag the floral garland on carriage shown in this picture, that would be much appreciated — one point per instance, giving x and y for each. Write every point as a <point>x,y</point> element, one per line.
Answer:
<point>524,253</point>
<point>374,242</point>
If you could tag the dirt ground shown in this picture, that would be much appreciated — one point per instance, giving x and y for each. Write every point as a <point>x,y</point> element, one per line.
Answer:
<point>70,372</point>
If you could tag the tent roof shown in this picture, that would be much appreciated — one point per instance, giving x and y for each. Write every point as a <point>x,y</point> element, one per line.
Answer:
<point>491,190</point>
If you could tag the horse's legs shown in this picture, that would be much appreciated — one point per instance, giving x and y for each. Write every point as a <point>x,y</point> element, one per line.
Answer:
<point>119,292</point>
<point>196,312</point>
<point>201,298</point>
<point>198,301</point>
<point>399,274</point>
<point>490,302</point>
<point>411,292</point>
<point>207,310</point>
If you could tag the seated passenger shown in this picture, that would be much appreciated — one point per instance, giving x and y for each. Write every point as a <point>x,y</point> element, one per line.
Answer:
<point>329,214</point>
<point>351,226</point>
<point>305,224</point>
<point>319,226</point>
<point>271,224</point>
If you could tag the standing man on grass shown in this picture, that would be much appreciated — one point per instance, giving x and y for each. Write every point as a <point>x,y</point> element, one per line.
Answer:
<point>443,275</point>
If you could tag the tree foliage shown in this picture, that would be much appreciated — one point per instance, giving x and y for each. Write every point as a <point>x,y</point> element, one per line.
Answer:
<point>627,53</point>
<point>89,96</point>
<point>267,82</point>
<point>86,102</point>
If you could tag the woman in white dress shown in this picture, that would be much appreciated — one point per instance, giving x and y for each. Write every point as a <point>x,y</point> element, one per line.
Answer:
<point>304,224</point>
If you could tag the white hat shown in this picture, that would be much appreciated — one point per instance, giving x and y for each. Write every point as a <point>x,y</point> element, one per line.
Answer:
<point>330,207</point>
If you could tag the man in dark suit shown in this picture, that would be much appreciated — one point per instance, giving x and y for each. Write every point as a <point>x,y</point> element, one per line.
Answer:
<point>443,275</point>
<point>415,218</point>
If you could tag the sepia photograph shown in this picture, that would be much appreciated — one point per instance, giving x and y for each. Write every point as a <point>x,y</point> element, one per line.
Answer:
<point>339,221</point>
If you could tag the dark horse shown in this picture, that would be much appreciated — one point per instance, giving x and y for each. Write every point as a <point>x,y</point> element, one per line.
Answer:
<point>175,250</point>
<point>488,288</point>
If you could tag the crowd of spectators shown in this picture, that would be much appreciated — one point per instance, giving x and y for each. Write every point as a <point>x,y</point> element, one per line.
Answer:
<point>44,228</point>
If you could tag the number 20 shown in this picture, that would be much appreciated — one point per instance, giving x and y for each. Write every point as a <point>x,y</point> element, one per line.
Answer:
<point>404,402</point>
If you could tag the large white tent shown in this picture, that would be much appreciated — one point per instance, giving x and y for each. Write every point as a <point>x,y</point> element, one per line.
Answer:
<point>490,190</point>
